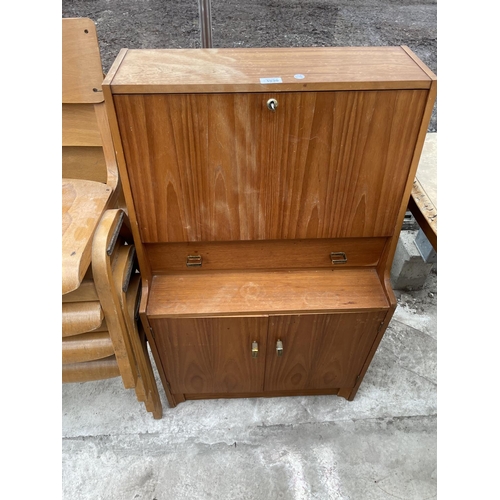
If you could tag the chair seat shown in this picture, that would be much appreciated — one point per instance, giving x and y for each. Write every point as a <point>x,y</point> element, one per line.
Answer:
<point>86,347</point>
<point>81,317</point>
<point>98,369</point>
<point>83,203</point>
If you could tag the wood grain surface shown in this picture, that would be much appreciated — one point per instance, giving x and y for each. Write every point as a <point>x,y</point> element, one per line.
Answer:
<point>265,292</point>
<point>83,203</point>
<point>84,163</point>
<point>241,70</point>
<point>275,254</point>
<point>223,167</point>
<point>80,317</point>
<point>86,292</point>
<point>91,370</point>
<point>423,200</point>
<point>139,343</point>
<point>212,355</point>
<point>86,347</point>
<point>424,211</point>
<point>104,268</point>
<point>79,125</point>
<point>319,351</point>
<point>266,394</point>
<point>81,62</point>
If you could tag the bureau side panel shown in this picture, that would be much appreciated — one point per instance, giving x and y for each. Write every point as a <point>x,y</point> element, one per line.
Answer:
<point>223,167</point>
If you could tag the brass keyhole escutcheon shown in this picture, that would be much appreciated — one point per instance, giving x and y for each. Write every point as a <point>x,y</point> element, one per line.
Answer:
<point>255,349</point>
<point>279,348</point>
<point>272,104</point>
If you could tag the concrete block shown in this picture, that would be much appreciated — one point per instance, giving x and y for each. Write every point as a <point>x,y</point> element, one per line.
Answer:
<point>409,270</point>
<point>425,248</point>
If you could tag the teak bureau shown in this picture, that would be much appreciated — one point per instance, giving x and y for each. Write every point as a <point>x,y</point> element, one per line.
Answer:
<point>266,190</point>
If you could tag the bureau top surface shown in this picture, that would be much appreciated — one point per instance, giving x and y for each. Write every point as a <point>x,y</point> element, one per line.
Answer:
<point>266,70</point>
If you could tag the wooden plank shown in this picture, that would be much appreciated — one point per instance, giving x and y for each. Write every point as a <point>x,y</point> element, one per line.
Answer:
<point>212,355</point>
<point>241,70</point>
<point>80,317</point>
<point>92,370</point>
<point>424,211</point>
<point>224,179</point>
<point>225,293</point>
<point>427,168</point>
<point>83,203</point>
<point>81,62</point>
<point>276,254</point>
<point>84,163</point>
<point>86,347</point>
<point>79,125</point>
<point>423,200</point>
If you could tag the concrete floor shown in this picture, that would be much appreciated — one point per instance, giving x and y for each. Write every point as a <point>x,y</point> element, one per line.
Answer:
<point>383,445</point>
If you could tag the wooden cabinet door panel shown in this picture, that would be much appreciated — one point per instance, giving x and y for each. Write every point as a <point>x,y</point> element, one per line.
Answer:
<point>212,355</point>
<point>223,167</point>
<point>320,351</point>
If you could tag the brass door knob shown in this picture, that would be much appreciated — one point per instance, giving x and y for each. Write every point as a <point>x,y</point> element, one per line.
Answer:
<point>255,349</point>
<point>272,104</point>
<point>279,348</point>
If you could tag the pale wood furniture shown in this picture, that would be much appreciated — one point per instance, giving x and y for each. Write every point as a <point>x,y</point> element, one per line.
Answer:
<point>100,279</point>
<point>423,200</point>
<point>266,190</point>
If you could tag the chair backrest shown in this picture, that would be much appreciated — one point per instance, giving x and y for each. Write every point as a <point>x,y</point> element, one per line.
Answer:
<point>88,151</point>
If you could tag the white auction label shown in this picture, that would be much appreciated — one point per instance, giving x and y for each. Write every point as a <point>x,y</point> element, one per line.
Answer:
<point>274,79</point>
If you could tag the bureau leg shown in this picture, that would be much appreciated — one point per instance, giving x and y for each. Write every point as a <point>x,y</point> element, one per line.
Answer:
<point>347,393</point>
<point>178,398</point>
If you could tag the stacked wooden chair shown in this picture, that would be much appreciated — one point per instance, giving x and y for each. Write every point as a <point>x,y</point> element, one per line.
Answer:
<point>101,283</point>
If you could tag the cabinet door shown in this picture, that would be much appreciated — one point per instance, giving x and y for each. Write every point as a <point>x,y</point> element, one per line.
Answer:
<point>319,351</point>
<point>212,355</point>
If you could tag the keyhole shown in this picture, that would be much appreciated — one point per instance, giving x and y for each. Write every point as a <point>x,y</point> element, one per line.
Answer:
<point>272,104</point>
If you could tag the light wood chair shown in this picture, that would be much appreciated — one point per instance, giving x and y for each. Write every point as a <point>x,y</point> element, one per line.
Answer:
<point>100,278</point>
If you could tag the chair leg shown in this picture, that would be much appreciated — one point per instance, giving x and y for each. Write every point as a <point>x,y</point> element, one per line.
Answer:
<point>120,287</point>
<point>132,299</point>
<point>103,247</point>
